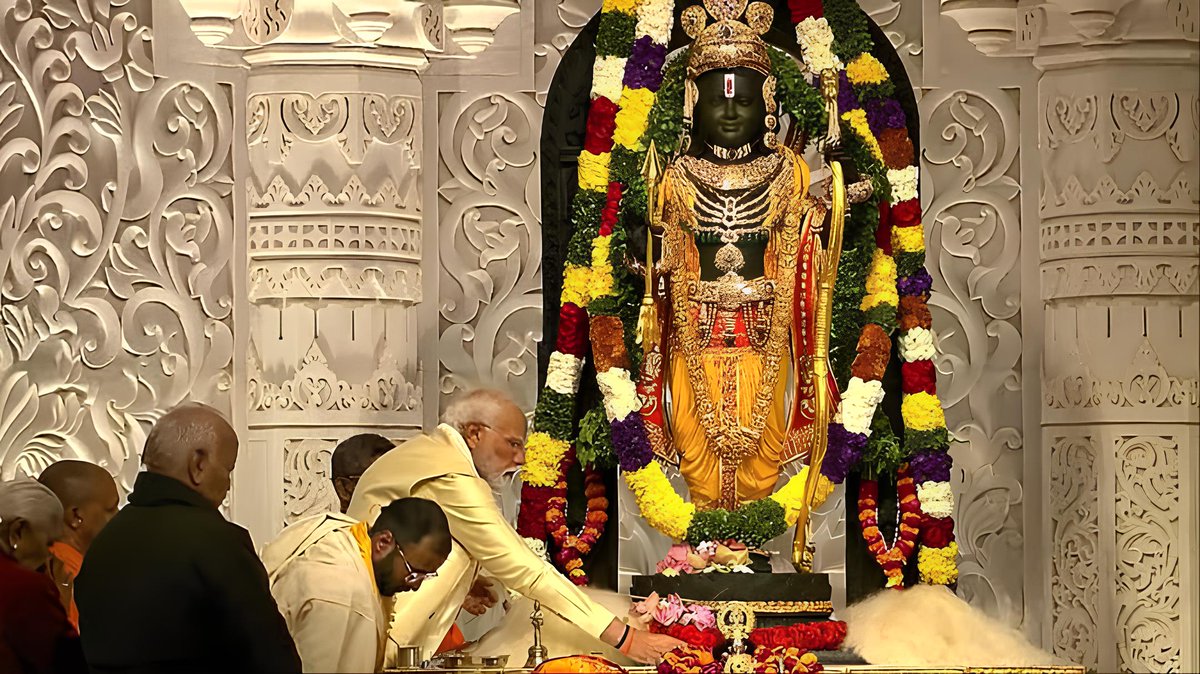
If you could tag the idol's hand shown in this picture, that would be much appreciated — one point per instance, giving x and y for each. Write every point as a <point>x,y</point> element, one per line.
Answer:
<point>648,648</point>
<point>480,597</point>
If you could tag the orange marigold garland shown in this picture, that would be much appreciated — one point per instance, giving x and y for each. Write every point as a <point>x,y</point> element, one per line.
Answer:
<point>891,558</point>
<point>573,548</point>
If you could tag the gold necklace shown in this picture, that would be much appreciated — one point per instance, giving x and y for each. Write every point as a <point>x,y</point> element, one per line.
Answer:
<point>731,154</point>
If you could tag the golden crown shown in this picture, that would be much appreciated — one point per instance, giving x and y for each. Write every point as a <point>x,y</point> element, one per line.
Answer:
<point>727,42</point>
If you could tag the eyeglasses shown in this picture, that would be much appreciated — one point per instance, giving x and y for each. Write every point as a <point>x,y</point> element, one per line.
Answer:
<point>512,442</point>
<point>413,576</point>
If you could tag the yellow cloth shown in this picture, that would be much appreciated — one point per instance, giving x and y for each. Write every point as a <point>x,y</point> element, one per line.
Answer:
<point>435,467</point>
<point>757,475</point>
<point>324,584</point>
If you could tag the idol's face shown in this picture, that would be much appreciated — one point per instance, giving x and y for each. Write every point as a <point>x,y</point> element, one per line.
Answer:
<point>730,111</point>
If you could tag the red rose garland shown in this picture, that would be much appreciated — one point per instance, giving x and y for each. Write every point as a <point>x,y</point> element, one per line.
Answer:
<point>708,639</point>
<point>572,548</point>
<point>827,635</point>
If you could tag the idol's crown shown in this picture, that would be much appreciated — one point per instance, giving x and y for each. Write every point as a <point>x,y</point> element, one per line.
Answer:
<point>727,42</point>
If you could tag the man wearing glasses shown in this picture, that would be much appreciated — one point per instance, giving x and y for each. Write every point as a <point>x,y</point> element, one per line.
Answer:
<point>481,439</point>
<point>351,458</point>
<point>332,577</point>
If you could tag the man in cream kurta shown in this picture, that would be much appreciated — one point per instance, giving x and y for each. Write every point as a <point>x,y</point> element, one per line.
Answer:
<point>438,467</point>
<point>327,573</point>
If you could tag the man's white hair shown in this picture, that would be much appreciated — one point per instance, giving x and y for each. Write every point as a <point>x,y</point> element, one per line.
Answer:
<point>478,406</point>
<point>27,499</point>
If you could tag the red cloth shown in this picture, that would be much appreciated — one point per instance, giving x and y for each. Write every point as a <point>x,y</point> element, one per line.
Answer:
<point>35,635</point>
<point>453,640</point>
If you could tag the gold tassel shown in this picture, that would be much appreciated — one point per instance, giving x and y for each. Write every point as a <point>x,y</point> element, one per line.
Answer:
<point>829,90</point>
<point>648,332</point>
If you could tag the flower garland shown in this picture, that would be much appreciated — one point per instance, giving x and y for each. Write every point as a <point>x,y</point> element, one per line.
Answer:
<point>891,558</point>
<point>571,548</point>
<point>896,292</point>
<point>630,51</point>
<point>826,635</point>
<point>689,660</point>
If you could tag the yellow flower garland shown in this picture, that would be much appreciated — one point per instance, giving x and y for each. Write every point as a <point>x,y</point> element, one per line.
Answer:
<point>577,285</point>
<point>791,494</point>
<point>857,119</point>
<point>881,282</point>
<point>866,69</point>
<point>593,171</point>
<point>660,504</point>
<point>626,6</point>
<point>542,456</point>
<point>922,412</point>
<point>909,239</point>
<point>631,118</point>
<point>602,271</point>
<point>937,566</point>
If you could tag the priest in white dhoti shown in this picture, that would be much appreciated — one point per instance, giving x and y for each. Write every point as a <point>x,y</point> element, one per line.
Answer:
<point>482,438</point>
<point>330,575</point>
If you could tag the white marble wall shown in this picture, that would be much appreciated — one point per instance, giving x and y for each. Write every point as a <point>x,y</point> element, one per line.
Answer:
<point>323,215</point>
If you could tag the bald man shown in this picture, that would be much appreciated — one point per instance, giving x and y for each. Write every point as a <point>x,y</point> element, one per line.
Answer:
<point>170,585</point>
<point>481,439</point>
<point>89,499</point>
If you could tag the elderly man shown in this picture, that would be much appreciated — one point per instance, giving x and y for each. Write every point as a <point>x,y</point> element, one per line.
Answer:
<point>483,438</point>
<point>329,575</point>
<point>35,635</point>
<point>89,500</point>
<point>170,585</point>
<point>351,458</point>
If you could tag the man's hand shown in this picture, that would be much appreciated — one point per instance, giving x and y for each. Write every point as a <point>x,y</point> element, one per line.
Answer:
<point>648,648</point>
<point>480,598</point>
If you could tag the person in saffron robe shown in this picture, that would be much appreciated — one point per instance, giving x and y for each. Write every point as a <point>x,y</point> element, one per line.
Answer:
<point>35,635</point>
<point>330,574</point>
<point>89,500</point>
<point>170,585</point>
<point>482,439</point>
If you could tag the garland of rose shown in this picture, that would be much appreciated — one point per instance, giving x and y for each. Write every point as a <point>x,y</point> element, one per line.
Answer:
<point>630,50</point>
<point>897,291</point>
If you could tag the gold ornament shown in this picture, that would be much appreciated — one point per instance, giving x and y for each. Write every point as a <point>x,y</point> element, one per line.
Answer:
<point>727,43</point>
<point>735,620</point>
<point>739,663</point>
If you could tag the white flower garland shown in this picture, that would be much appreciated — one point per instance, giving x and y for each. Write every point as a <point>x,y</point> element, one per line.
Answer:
<point>816,45</point>
<point>916,344</point>
<point>936,498</point>
<point>562,373</point>
<point>620,393</point>
<point>607,77</point>
<point>655,19</point>
<point>858,405</point>
<point>904,183</point>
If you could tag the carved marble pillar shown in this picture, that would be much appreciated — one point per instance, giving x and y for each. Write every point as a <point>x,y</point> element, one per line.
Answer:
<point>1118,135</point>
<point>333,241</point>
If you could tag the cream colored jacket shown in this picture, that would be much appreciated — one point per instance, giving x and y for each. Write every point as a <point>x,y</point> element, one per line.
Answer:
<point>437,467</point>
<point>327,595</point>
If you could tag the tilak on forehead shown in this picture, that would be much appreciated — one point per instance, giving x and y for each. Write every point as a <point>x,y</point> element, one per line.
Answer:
<point>729,85</point>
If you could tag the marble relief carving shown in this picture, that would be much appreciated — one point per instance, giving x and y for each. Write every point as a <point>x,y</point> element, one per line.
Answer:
<point>489,242</point>
<point>116,236</point>
<point>970,173</point>
<point>1148,565</point>
<point>1075,536</point>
